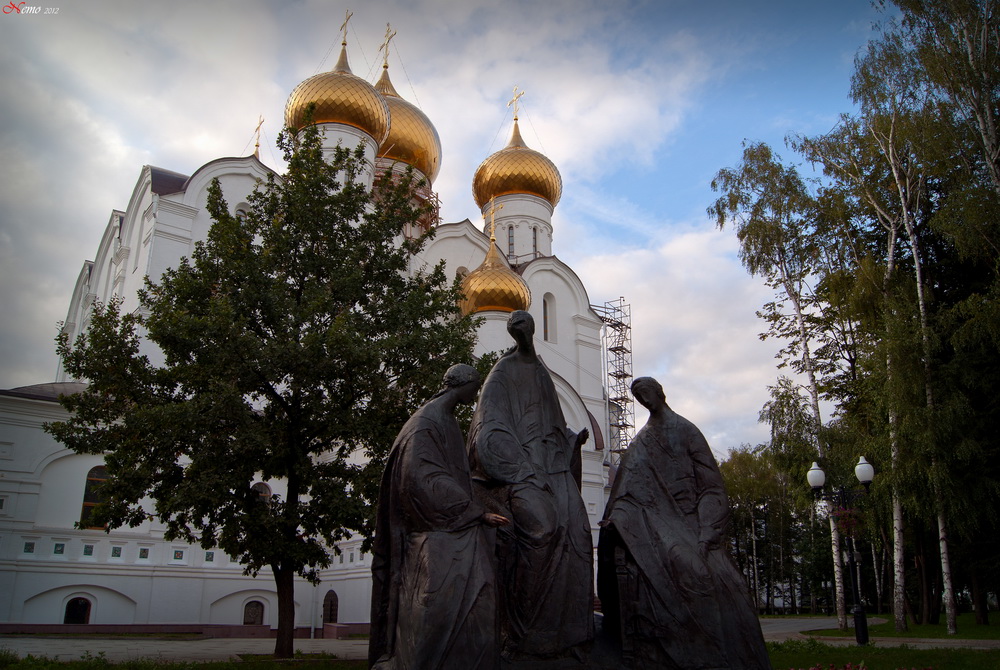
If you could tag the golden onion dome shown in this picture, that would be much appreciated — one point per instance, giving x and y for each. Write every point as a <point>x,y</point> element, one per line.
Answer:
<point>340,97</point>
<point>493,286</point>
<point>517,169</point>
<point>412,139</point>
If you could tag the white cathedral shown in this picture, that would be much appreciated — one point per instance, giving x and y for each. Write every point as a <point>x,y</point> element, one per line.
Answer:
<point>131,578</point>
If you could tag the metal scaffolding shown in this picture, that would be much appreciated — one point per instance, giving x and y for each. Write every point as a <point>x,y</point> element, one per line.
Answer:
<point>617,317</point>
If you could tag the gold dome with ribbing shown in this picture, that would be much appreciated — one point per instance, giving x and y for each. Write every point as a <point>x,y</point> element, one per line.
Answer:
<point>412,139</point>
<point>340,97</point>
<point>493,286</point>
<point>517,169</point>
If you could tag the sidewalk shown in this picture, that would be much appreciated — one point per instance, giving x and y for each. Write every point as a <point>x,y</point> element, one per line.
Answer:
<point>219,649</point>
<point>787,628</point>
<point>213,649</point>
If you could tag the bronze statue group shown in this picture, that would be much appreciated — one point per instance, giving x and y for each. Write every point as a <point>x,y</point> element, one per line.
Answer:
<point>483,552</point>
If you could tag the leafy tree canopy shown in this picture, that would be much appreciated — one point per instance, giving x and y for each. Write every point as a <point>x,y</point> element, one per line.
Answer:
<point>295,342</point>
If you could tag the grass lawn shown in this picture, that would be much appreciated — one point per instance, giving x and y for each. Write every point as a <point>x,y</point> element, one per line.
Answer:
<point>967,630</point>
<point>813,655</point>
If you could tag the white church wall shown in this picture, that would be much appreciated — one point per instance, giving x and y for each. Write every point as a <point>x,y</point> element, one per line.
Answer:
<point>523,212</point>
<point>107,606</point>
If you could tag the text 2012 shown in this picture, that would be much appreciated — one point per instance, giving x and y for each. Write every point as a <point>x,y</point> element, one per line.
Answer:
<point>21,8</point>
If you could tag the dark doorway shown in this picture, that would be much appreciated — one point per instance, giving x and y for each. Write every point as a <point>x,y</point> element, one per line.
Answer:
<point>253,613</point>
<point>331,604</point>
<point>77,611</point>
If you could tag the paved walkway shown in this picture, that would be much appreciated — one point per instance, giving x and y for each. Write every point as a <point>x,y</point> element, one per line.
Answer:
<point>218,649</point>
<point>788,628</point>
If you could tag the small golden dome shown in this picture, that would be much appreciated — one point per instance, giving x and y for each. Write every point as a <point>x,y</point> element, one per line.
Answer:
<point>340,97</point>
<point>517,169</point>
<point>493,286</point>
<point>412,139</point>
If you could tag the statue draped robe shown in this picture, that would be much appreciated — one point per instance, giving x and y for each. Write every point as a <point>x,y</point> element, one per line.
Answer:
<point>433,593</point>
<point>672,603</point>
<point>525,463</point>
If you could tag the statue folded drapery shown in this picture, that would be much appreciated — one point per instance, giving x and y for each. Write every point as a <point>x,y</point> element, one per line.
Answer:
<point>526,465</point>
<point>433,593</point>
<point>669,588</point>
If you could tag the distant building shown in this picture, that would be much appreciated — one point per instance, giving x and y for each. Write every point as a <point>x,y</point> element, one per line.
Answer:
<point>53,573</point>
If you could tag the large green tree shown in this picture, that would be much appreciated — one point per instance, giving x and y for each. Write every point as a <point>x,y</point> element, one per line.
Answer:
<point>295,342</point>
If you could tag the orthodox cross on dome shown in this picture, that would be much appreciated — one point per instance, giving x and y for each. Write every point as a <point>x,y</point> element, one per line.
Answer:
<point>513,101</point>
<point>256,146</point>
<point>493,222</point>
<point>384,47</point>
<point>343,26</point>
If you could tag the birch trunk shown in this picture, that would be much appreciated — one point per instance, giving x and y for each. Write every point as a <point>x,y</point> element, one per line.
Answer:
<point>899,579</point>
<point>838,575</point>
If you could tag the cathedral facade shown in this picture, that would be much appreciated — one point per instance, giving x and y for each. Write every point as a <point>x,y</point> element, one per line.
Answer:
<point>54,573</point>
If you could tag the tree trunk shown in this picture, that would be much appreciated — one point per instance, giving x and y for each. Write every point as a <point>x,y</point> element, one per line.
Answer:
<point>948,591</point>
<point>980,602</point>
<point>838,575</point>
<point>899,567</point>
<point>879,582</point>
<point>756,573</point>
<point>925,581</point>
<point>284,643</point>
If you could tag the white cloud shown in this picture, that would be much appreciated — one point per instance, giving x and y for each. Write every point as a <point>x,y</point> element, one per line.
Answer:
<point>694,328</point>
<point>106,86</point>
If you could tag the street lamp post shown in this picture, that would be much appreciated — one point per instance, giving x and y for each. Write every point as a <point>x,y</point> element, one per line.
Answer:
<point>843,498</point>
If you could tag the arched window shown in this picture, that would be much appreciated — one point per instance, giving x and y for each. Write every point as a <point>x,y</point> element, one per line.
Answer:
<point>331,607</point>
<point>510,242</point>
<point>253,613</point>
<point>263,491</point>
<point>534,241</point>
<point>77,611</point>
<point>91,498</point>
<point>549,318</point>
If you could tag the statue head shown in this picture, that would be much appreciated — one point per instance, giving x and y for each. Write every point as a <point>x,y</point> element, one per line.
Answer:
<point>648,392</point>
<point>465,379</point>
<point>521,326</point>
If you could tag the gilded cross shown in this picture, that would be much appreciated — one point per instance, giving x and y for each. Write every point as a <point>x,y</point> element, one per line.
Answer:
<point>256,146</point>
<point>493,213</point>
<point>389,34</point>
<point>343,26</point>
<point>513,101</point>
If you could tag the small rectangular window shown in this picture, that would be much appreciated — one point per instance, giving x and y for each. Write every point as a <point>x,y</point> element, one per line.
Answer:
<point>178,555</point>
<point>144,553</point>
<point>116,552</point>
<point>209,556</point>
<point>29,547</point>
<point>341,558</point>
<point>59,548</point>
<point>352,557</point>
<point>88,550</point>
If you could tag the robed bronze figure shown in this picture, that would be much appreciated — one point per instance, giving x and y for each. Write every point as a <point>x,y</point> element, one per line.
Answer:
<point>433,593</point>
<point>670,591</point>
<point>526,463</point>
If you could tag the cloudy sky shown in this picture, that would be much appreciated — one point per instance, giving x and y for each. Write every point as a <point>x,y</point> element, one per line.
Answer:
<point>639,104</point>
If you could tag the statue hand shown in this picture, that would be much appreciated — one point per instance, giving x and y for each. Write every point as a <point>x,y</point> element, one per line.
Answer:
<point>582,437</point>
<point>493,520</point>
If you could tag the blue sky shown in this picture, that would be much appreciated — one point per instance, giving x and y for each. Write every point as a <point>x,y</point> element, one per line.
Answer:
<point>639,104</point>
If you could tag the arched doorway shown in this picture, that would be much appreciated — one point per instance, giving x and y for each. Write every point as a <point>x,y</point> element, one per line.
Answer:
<point>253,613</point>
<point>77,611</point>
<point>331,605</point>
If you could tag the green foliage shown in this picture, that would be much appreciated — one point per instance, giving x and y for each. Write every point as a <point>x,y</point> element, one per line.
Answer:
<point>295,342</point>
<point>887,277</point>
